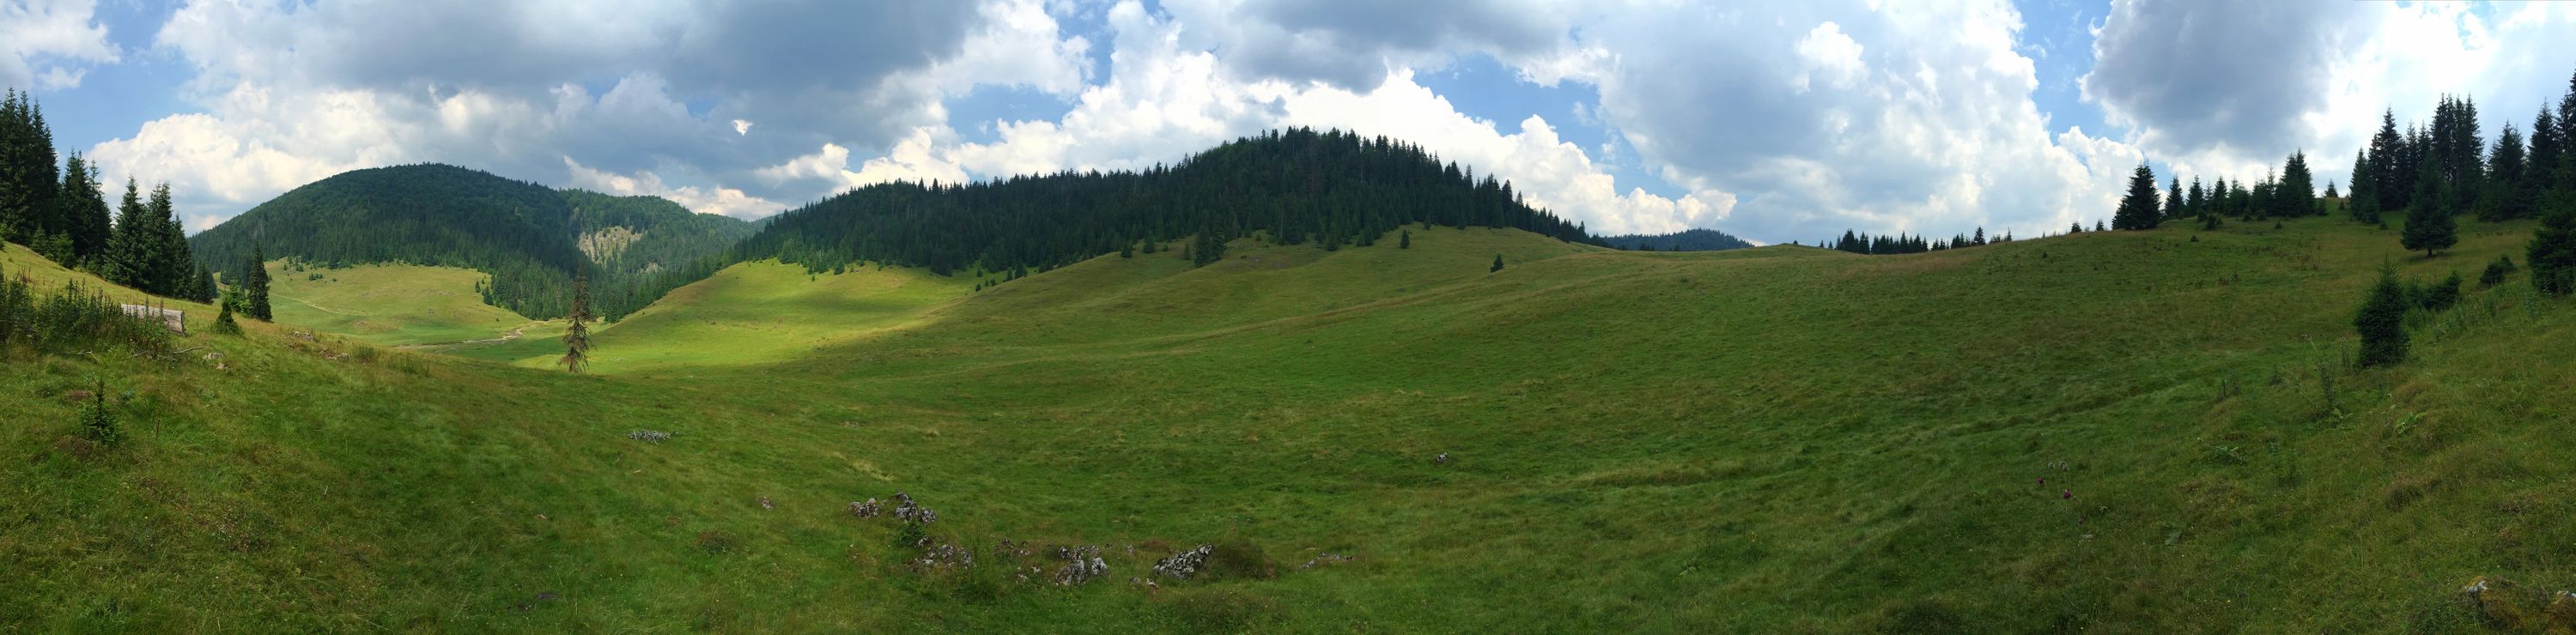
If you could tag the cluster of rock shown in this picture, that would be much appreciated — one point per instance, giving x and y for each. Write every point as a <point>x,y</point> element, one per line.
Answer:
<point>650,436</point>
<point>1081,565</point>
<point>912,512</point>
<point>944,556</point>
<point>869,509</point>
<point>1184,564</point>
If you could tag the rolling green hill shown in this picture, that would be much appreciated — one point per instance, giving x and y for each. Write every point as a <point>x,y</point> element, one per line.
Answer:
<point>2146,431</point>
<point>388,304</point>
<point>528,239</point>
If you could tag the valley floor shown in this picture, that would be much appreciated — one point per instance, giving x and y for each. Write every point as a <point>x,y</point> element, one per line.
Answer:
<point>2124,431</point>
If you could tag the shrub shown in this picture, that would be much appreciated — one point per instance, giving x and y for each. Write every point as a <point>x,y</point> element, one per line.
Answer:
<point>2382,321</point>
<point>1239,559</point>
<point>2496,271</point>
<point>97,422</point>
<point>2437,296</point>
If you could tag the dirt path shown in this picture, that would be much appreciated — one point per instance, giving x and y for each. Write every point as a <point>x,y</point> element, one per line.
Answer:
<point>515,333</point>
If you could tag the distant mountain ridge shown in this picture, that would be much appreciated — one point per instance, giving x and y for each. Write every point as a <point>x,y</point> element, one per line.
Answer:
<point>529,238</point>
<point>1686,240</point>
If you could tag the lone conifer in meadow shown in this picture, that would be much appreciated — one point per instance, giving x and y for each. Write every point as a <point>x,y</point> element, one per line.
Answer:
<point>2382,321</point>
<point>1404,240</point>
<point>576,338</point>
<point>2138,210</point>
<point>255,286</point>
<point>1498,264</point>
<point>2429,225</point>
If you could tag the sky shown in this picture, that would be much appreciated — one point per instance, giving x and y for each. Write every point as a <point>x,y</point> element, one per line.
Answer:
<point>1772,121</point>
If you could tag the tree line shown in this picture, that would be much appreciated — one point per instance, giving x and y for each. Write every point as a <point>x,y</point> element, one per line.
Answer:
<point>1332,189</point>
<point>56,206</point>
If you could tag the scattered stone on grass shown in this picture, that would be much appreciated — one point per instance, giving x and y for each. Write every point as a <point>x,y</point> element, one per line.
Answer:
<point>907,510</point>
<point>1081,565</point>
<point>1443,459</point>
<point>1184,564</point>
<point>944,556</point>
<point>765,504</point>
<point>868,509</point>
<point>649,436</point>
<point>1324,559</point>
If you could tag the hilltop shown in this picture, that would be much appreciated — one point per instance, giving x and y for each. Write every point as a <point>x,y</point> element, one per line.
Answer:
<point>1685,240</point>
<point>529,239</point>
<point>2148,430</point>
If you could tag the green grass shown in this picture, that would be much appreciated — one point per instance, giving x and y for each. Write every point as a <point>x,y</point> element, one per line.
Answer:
<point>1776,439</point>
<point>388,304</point>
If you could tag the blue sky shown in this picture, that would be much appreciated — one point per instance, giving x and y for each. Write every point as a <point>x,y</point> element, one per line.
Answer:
<point>1776,122</point>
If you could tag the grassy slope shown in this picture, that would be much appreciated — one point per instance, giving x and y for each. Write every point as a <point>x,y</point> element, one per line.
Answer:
<point>1767,439</point>
<point>388,304</point>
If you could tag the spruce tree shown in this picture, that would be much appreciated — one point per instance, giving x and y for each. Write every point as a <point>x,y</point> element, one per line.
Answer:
<point>2138,209</point>
<point>2552,254</point>
<point>576,338</point>
<point>1498,264</point>
<point>2387,184</point>
<point>2297,190</point>
<point>255,286</point>
<point>131,245</point>
<point>2429,224</point>
<point>2173,199</point>
<point>2382,321</point>
<point>1404,240</point>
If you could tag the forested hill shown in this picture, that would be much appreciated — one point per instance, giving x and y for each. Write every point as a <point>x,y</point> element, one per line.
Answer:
<point>1299,186</point>
<point>531,239</point>
<point>1685,240</point>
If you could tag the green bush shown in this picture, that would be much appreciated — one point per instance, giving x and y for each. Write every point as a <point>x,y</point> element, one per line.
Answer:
<point>2496,271</point>
<point>2382,322</point>
<point>97,422</point>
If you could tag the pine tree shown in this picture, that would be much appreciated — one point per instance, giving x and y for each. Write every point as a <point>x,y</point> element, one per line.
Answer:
<point>576,338</point>
<point>2429,223</point>
<point>2548,142</point>
<point>1405,240</point>
<point>2552,254</point>
<point>29,181</point>
<point>2297,191</point>
<point>255,286</point>
<point>2387,151</point>
<point>2138,209</point>
<point>131,244</point>
<point>1498,264</point>
<point>2173,199</point>
<point>170,265</point>
<point>2382,321</point>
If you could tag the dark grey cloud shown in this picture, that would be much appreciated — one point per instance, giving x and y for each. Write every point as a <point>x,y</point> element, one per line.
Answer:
<point>2204,73</point>
<point>1348,43</point>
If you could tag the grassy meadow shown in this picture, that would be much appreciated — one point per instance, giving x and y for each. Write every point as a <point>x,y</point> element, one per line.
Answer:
<point>388,304</point>
<point>2149,431</point>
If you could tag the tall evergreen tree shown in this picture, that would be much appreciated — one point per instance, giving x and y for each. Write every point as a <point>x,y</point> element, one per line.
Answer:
<point>2382,321</point>
<point>86,208</point>
<point>2364,203</point>
<point>29,178</point>
<point>2387,184</point>
<point>2429,223</point>
<point>2298,192</point>
<point>1498,264</point>
<point>2138,209</point>
<point>132,243</point>
<point>2548,142</point>
<point>172,270</point>
<point>2173,198</point>
<point>576,337</point>
<point>255,286</point>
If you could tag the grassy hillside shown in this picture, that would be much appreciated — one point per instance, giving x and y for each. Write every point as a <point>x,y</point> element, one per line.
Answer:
<point>2117,431</point>
<point>388,304</point>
